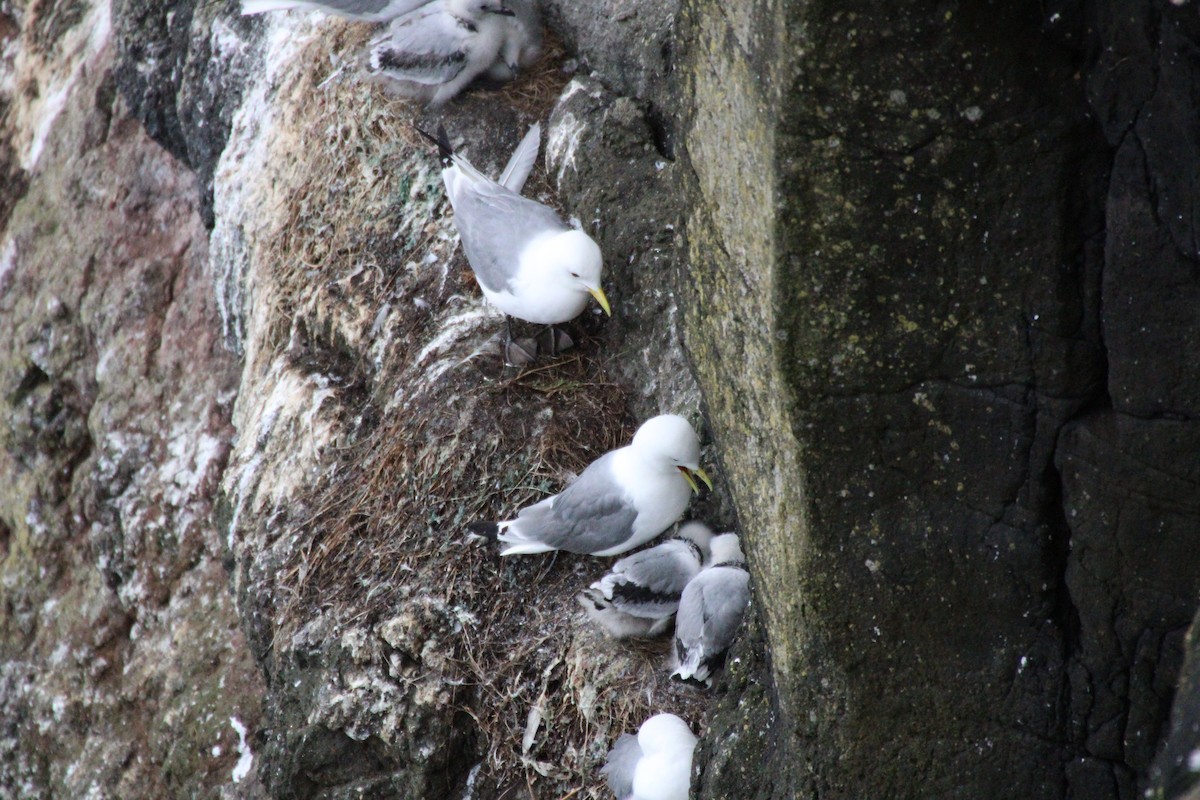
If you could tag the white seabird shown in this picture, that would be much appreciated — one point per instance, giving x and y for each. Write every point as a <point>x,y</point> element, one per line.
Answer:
<point>623,499</point>
<point>360,10</point>
<point>654,765</point>
<point>529,262</point>
<point>640,595</point>
<point>710,611</point>
<point>433,52</point>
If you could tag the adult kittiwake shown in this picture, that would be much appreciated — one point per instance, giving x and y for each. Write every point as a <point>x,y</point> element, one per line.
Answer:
<point>432,53</point>
<point>640,595</point>
<point>529,262</point>
<point>710,612</point>
<point>361,10</point>
<point>623,499</point>
<point>654,765</point>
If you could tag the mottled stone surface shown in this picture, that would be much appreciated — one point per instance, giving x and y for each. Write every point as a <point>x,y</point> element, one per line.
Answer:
<point>632,46</point>
<point>182,67</point>
<point>125,671</point>
<point>963,583</point>
<point>929,276</point>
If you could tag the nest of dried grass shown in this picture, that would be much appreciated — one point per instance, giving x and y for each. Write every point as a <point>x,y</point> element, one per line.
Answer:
<point>548,694</point>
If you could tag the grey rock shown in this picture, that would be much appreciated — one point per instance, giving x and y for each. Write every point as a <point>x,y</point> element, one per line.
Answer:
<point>124,665</point>
<point>918,350</point>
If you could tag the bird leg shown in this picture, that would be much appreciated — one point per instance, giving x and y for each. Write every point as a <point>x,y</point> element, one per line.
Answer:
<point>517,353</point>
<point>557,340</point>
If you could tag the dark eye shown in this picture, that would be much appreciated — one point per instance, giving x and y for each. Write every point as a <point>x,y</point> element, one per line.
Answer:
<point>574,274</point>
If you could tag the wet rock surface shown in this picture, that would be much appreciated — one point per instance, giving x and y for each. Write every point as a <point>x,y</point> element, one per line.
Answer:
<point>181,67</point>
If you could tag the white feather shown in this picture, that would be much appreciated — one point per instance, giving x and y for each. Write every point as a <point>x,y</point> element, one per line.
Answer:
<point>347,10</point>
<point>521,162</point>
<point>663,768</point>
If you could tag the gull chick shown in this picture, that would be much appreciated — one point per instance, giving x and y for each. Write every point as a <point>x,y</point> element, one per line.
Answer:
<point>710,611</point>
<point>640,595</point>
<point>623,499</point>
<point>654,765</point>
<point>360,10</point>
<point>523,41</point>
<point>432,53</point>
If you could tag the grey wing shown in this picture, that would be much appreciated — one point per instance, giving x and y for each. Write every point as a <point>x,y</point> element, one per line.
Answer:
<point>689,619</point>
<point>663,570</point>
<point>620,766</point>
<point>495,224</point>
<point>590,515</point>
<point>426,46</point>
<point>723,599</point>
<point>377,10</point>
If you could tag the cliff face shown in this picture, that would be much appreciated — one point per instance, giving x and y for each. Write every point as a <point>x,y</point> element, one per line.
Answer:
<point>125,670</point>
<point>928,278</point>
<point>959,431</point>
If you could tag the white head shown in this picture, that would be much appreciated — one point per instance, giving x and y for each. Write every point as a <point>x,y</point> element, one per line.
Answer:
<point>664,733</point>
<point>669,441</point>
<point>726,549</point>
<point>573,261</point>
<point>696,531</point>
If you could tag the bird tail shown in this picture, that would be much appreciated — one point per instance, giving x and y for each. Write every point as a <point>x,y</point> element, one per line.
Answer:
<point>616,623</point>
<point>515,545</point>
<point>442,140</point>
<point>690,666</point>
<point>484,530</point>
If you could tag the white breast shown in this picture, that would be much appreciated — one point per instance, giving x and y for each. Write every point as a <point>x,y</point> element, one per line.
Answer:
<point>660,497</point>
<point>536,293</point>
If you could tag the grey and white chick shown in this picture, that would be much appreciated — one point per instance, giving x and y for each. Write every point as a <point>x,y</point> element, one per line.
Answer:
<point>523,41</point>
<point>640,594</point>
<point>360,10</point>
<point>654,765</point>
<point>710,611</point>
<point>433,53</point>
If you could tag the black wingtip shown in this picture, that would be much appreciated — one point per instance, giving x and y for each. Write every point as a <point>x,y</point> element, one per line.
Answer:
<point>484,530</point>
<point>591,597</point>
<point>442,140</point>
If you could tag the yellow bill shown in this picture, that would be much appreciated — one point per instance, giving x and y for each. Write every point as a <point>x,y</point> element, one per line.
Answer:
<point>598,293</point>
<point>688,473</point>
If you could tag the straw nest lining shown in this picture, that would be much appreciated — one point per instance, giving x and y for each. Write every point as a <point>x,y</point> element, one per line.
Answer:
<point>361,238</point>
